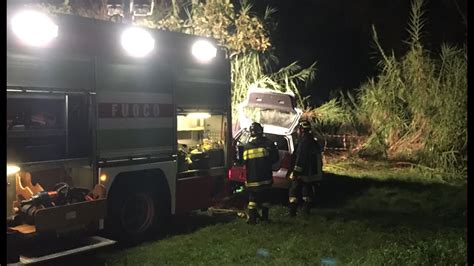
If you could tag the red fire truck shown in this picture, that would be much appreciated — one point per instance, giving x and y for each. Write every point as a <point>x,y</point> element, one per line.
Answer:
<point>108,126</point>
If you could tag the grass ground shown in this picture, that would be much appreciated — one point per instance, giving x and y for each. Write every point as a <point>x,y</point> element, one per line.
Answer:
<point>365,214</point>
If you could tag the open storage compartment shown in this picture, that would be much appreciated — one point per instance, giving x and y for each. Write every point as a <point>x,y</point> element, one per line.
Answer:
<point>55,192</point>
<point>70,222</point>
<point>55,196</point>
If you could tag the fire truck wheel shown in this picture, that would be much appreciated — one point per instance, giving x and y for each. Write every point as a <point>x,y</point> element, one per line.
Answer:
<point>136,214</point>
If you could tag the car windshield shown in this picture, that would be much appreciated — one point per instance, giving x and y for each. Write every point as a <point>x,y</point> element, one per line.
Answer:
<point>270,116</point>
<point>280,140</point>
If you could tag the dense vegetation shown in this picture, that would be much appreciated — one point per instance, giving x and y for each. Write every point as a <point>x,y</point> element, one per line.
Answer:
<point>414,110</point>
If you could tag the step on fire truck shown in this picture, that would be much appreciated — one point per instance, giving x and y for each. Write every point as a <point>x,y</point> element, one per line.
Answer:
<point>109,126</point>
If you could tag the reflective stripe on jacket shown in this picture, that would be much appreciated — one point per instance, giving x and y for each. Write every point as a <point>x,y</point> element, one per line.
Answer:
<point>259,155</point>
<point>260,183</point>
<point>255,153</point>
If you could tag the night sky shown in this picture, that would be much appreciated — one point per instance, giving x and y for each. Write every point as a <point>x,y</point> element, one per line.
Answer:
<point>337,34</point>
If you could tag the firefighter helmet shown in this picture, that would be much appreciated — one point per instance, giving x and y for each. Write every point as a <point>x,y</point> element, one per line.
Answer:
<point>305,125</point>
<point>256,129</point>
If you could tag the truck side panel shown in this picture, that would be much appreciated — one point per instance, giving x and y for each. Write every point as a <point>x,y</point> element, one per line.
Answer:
<point>135,110</point>
<point>49,71</point>
<point>206,87</point>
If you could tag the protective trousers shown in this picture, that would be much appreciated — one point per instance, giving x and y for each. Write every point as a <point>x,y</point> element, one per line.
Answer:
<point>258,199</point>
<point>305,189</point>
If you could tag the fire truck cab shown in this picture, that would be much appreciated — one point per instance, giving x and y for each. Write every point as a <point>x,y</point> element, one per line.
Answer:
<point>108,126</point>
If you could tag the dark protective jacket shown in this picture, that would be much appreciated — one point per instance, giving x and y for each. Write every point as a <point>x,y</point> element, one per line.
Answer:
<point>308,163</point>
<point>259,155</point>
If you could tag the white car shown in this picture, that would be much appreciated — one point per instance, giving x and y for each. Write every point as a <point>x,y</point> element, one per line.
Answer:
<point>277,113</point>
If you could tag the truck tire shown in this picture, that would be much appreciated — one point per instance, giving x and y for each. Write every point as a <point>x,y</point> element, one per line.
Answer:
<point>136,213</point>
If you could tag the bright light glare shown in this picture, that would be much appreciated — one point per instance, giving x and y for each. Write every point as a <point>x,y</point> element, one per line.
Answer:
<point>203,50</point>
<point>137,42</point>
<point>103,177</point>
<point>34,28</point>
<point>12,169</point>
<point>198,115</point>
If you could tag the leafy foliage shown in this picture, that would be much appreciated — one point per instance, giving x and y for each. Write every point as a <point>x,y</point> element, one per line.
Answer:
<point>416,108</point>
<point>96,9</point>
<point>239,32</point>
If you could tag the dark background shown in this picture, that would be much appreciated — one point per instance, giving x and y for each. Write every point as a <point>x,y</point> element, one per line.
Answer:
<point>338,35</point>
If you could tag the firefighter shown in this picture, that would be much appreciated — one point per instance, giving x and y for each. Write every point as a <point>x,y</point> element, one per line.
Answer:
<point>307,170</point>
<point>259,155</point>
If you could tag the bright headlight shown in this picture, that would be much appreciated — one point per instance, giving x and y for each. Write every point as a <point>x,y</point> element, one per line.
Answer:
<point>137,42</point>
<point>34,28</point>
<point>204,51</point>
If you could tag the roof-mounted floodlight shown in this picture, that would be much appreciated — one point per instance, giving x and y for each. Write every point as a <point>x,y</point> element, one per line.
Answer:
<point>204,51</point>
<point>137,42</point>
<point>34,28</point>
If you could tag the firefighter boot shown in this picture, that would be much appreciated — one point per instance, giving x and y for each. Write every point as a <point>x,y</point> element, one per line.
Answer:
<point>265,214</point>
<point>292,209</point>
<point>252,216</point>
